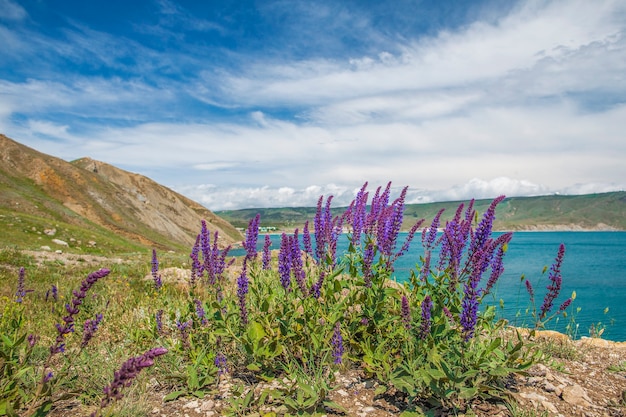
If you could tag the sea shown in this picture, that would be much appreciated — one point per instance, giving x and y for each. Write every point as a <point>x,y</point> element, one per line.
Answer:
<point>594,268</point>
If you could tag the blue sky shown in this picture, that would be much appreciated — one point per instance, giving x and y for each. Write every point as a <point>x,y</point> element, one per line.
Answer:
<point>273,103</point>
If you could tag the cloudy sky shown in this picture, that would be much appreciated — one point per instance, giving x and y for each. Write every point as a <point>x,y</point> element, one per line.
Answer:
<point>272,103</point>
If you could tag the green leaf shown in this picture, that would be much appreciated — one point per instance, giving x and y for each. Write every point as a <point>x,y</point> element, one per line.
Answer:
<point>255,331</point>
<point>381,389</point>
<point>468,393</point>
<point>335,406</point>
<point>254,367</point>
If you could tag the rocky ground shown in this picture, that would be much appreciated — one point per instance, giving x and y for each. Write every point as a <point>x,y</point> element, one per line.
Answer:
<point>591,383</point>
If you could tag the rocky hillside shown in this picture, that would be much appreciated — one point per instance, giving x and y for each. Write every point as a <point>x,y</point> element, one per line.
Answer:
<point>92,194</point>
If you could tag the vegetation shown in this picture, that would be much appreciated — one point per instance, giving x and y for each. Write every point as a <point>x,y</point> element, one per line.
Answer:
<point>516,213</point>
<point>295,318</point>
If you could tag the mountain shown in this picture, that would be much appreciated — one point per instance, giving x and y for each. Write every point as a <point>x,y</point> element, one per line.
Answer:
<point>88,196</point>
<point>606,211</point>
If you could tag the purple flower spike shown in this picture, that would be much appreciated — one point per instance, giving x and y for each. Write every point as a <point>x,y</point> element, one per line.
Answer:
<point>427,306</point>
<point>127,373</point>
<point>242,291</point>
<point>483,231</point>
<point>316,289</point>
<point>565,304</point>
<point>306,239</point>
<point>529,288</point>
<point>267,255</point>
<point>155,271</point>
<point>406,313</point>
<point>21,292</point>
<point>296,263</point>
<point>221,364</point>
<point>554,288</point>
<point>72,309</point>
<point>200,313</point>
<point>284,261</point>
<point>337,342</point>
<point>159,321</point>
<point>429,235</point>
<point>497,267</point>
<point>89,329</point>
<point>252,235</point>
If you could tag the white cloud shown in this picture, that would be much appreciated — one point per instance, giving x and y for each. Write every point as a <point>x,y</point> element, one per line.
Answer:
<point>10,10</point>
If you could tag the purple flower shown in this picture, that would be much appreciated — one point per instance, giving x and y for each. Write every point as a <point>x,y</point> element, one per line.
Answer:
<point>47,377</point>
<point>389,224</point>
<point>200,312</point>
<point>72,309</point>
<point>406,313</point>
<point>565,304</point>
<point>358,215</point>
<point>497,267</point>
<point>242,290</point>
<point>196,266</point>
<point>425,272</point>
<point>284,261</point>
<point>483,231</point>
<point>427,306</point>
<point>469,305</point>
<point>221,363</point>
<point>252,234</point>
<point>337,342</point>
<point>429,235</point>
<point>327,231</point>
<point>316,289</point>
<point>159,321</point>
<point>267,255</point>
<point>183,328</point>
<point>306,239</point>
<point>32,340</point>
<point>408,240</point>
<point>554,288</point>
<point>296,263</point>
<point>155,271</point>
<point>368,260</point>
<point>89,329</point>
<point>54,292</point>
<point>21,292</point>
<point>127,373</point>
<point>454,240</point>
<point>531,291</point>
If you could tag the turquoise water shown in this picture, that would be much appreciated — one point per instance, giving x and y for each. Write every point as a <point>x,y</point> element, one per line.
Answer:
<point>594,267</point>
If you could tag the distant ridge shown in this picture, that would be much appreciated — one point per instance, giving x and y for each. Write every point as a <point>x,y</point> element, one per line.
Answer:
<point>606,211</point>
<point>89,193</point>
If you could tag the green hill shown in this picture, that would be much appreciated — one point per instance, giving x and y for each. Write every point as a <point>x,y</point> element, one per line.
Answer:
<point>606,211</point>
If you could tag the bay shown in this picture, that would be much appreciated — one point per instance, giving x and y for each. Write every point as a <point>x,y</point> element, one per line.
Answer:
<point>594,267</point>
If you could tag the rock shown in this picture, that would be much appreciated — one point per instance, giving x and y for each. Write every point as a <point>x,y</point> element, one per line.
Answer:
<point>576,395</point>
<point>60,242</point>
<point>547,405</point>
<point>548,387</point>
<point>192,404</point>
<point>342,393</point>
<point>46,248</point>
<point>50,232</point>
<point>58,251</point>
